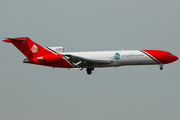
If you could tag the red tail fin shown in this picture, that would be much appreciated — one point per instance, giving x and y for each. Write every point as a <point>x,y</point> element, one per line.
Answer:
<point>29,48</point>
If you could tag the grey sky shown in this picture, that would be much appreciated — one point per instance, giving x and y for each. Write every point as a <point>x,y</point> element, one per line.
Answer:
<point>127,93</point>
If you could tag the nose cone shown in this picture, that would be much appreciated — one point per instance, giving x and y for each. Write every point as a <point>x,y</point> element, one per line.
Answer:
<point>174,58</point>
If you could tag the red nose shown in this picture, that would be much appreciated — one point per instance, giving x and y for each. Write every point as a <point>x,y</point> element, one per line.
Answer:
<point>174,58</point>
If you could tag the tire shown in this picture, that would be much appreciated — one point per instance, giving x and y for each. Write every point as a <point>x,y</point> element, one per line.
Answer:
<point>89,71</point>
<point>161,68</point>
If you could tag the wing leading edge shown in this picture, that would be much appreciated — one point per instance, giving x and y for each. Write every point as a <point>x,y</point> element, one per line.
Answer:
<point>82,62</point>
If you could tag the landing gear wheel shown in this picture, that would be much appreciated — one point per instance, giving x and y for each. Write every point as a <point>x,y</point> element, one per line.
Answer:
<point>161,68</point>
<point>89,71</point>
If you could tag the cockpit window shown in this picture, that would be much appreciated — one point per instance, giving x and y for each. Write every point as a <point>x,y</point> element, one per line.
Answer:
<point>169,54</point>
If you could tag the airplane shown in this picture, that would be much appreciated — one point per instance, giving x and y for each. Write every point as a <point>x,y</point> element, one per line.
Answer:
<point>56,57</point>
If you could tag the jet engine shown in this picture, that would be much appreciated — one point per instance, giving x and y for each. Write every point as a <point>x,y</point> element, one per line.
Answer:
<point>57,49</point>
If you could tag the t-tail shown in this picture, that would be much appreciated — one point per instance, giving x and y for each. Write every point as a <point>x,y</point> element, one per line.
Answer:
<point>34,52</point>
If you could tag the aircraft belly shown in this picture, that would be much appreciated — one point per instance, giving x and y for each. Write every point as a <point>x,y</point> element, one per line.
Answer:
<point>137,62</point>
<point>129,62</point>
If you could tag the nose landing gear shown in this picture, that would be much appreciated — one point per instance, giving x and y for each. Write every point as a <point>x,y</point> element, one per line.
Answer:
<point>161,68</point>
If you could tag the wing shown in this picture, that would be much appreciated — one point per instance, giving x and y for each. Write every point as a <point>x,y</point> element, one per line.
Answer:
<point>82,62</point>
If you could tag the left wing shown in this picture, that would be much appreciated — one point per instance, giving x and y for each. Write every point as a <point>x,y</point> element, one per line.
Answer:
<point>82,62</point>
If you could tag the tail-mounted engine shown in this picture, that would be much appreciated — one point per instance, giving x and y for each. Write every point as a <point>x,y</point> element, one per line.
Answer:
<point>57,49</point>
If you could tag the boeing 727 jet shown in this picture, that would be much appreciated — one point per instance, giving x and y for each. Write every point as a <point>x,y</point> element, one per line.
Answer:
<point>56,57</point>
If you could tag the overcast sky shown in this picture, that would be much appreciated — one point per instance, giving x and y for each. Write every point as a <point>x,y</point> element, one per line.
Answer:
<point>31,92</point>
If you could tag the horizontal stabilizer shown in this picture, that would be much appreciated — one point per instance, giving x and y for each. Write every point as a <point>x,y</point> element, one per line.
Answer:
<point>9,40</point>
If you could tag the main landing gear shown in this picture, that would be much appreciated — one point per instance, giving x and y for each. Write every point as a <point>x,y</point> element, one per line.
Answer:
<point>89,71</point>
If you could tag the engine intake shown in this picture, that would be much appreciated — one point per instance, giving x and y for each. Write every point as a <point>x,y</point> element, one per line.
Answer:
<point>57,49</point>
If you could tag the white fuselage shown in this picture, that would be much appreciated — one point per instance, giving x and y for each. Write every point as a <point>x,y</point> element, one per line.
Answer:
<point>128,57</point>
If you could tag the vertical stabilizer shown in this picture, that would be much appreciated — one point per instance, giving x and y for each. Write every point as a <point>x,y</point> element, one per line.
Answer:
<point>29,48</point>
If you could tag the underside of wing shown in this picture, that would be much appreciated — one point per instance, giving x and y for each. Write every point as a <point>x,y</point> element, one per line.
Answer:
<point>85,62</point>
